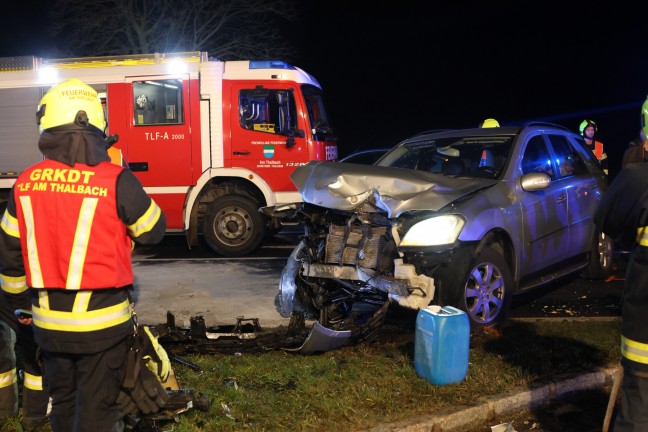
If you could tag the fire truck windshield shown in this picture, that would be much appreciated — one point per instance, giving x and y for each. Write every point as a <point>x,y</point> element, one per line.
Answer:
<point>317,114</point>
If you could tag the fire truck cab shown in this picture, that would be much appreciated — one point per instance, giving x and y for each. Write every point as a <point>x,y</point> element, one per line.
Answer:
<point>211,141</point>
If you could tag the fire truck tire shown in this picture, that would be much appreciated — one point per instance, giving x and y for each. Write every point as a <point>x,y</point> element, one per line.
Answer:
<point>233,226</point>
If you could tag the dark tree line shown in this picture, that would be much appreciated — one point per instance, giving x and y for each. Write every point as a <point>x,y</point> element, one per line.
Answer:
<point>226,29</point>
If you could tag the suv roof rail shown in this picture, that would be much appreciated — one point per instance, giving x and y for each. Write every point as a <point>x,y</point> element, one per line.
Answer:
<point>430,131</point>
<point>541,123</point>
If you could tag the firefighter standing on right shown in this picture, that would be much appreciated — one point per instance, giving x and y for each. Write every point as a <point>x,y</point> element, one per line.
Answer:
<point>623,214</point>
<point>588,130</point>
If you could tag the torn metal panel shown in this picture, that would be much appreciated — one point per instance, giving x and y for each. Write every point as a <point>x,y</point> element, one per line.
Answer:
<point>322,339</point>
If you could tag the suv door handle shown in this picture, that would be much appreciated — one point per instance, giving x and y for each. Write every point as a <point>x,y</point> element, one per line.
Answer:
<point>562,197</point>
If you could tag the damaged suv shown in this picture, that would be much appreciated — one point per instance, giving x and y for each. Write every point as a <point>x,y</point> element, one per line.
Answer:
<point>466,218</point>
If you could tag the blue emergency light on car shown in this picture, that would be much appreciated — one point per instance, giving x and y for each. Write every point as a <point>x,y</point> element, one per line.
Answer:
<point>269,64</point>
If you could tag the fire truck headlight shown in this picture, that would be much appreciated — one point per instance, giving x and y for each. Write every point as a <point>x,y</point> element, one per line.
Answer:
<point>434,231</point>
<point>177,66</point>
<point>48,75</point>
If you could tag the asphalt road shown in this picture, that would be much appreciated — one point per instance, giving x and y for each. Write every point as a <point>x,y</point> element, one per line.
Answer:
<point>199,282</point>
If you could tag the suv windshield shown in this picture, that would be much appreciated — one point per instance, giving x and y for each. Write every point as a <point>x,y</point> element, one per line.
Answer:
<point>472,156</point>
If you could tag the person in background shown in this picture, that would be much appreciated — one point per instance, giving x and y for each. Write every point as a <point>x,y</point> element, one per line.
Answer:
<point>637,150</point>
<point>66,241</point>
<point>588,130</point>
<point>623,215</point>
<point>489,123</point>
<point>34,399</point>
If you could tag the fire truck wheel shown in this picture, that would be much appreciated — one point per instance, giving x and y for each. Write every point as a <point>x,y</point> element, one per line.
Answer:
<point>233,226</point>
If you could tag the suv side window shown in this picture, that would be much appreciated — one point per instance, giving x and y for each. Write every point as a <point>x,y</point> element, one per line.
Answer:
<point>536,157</point>
<point>568,160</point>
<point>586,155</point>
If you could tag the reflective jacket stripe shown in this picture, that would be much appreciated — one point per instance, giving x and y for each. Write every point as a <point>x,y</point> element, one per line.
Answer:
<point>83,321</point>
<point>598,150</point>
<point>13,285</point>
<point>8,378</point>
<point>81,301</point>
<point>33,382</point>
<point>32,249</point>
<point>9,224</point>
<point>43,299</point>
<point>80,246</point>
<point>633,350</point>
<point>146,222</point>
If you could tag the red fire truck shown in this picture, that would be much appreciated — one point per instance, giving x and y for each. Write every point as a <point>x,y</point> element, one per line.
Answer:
<point>211,141</point>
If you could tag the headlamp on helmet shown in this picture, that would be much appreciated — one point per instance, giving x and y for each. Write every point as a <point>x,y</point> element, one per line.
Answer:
<point>585,124</point>
<point>71,103</point>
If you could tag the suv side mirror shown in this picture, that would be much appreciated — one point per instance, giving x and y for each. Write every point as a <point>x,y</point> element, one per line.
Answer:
<point>535,181</point>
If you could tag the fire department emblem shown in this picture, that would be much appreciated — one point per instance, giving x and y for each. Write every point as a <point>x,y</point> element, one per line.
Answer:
<point>268,151</point>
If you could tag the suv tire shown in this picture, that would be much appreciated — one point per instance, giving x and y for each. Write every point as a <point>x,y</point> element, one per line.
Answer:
<point>600,257</point>
<point>485,301</point>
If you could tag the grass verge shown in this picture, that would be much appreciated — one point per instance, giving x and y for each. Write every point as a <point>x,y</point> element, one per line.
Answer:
<point>357,387</point>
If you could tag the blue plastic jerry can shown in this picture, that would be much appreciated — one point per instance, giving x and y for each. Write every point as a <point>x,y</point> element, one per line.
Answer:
<point>442,344</point>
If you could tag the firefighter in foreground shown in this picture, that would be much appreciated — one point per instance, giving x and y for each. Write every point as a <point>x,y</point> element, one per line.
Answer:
<point>623,214</point>
<point>66,240</point>
<point>588,130</point>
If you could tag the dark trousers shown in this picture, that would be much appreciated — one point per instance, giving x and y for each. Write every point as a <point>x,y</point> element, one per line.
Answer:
<point>84,389</point>
<point>633,415</point>
<point>35,399</point>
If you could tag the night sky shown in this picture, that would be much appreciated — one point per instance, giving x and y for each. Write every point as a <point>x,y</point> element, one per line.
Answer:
<point>391,69</point>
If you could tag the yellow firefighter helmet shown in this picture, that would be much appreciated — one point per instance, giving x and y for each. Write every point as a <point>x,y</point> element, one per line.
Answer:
<point>71,102</point>
<point>490,123</point>
<point>585,124</point>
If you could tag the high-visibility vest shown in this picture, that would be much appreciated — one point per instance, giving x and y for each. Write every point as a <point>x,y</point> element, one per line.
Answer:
<point>116,156</point>
<point>598,150</point>
<point>70,233</point>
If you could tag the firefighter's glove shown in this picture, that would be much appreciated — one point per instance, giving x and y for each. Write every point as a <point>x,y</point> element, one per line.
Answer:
<point>126,404</point>
<point>154,355</point>
<point>141,384</point>
<point>148,394</point>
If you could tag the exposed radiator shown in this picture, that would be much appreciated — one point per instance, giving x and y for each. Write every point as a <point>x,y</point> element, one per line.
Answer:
<point>353,247</point>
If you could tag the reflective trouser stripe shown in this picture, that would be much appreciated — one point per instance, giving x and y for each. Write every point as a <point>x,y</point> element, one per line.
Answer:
<point>82,320</point>
<point>8,378</point>
<point>633,350</point>
<point>33,382</point>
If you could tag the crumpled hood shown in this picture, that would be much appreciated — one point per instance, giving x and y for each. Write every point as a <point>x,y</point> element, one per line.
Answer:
<point>345,186</point>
